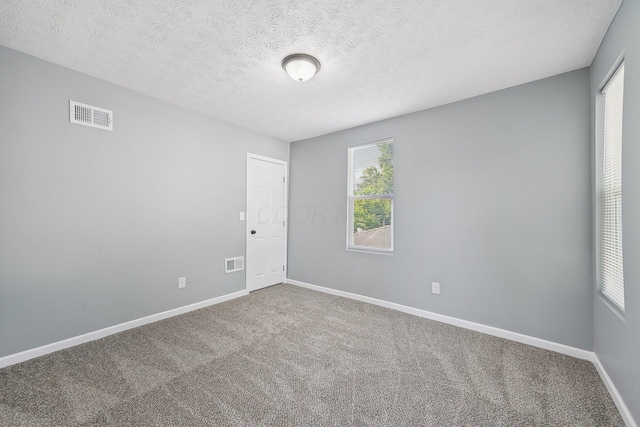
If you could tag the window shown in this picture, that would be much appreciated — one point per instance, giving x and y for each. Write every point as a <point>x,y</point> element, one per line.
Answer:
<point>370,197</point>
<point>611,265</point>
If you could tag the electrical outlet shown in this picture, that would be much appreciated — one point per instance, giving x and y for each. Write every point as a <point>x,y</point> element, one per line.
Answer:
<point>182,282</point>
<point>435,288</point>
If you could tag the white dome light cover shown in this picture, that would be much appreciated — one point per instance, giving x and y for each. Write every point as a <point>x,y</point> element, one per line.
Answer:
<point>300,67</point>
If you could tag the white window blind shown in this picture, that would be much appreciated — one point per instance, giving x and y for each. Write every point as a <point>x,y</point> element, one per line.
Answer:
<point>611,257</point>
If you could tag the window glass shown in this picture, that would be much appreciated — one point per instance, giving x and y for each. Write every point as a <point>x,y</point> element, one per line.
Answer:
<point>371,196</point>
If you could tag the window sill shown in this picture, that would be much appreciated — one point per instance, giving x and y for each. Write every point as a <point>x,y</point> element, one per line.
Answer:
<point>370,251</point>
<point>616,310</point>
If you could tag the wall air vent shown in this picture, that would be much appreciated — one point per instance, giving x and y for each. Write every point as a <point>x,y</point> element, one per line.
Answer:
<point>233,264</point>
<point>89,115</point>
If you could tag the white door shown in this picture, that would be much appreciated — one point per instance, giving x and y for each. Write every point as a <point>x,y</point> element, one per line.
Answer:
<point>266,221</point>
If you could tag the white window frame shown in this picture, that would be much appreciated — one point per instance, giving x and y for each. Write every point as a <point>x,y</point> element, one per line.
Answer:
<point>609,270</point>
<point>351,198</point>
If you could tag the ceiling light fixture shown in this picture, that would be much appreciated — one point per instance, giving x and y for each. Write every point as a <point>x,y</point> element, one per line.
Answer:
<point>301,67</point>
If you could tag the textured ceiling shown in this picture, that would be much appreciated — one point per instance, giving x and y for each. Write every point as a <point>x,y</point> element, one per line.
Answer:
<point>380,58</point>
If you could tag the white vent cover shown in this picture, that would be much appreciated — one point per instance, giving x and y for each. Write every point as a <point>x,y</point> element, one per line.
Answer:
<point>89,115</point>
<point>233,264</point>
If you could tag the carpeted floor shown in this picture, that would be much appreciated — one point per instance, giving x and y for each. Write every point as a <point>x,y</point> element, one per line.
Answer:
<point>286,356</point>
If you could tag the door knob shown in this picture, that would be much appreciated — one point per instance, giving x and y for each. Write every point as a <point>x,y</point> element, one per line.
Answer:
<point>253,231</point>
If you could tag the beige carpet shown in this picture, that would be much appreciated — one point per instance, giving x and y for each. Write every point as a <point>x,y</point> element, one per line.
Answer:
<point>287,356</point>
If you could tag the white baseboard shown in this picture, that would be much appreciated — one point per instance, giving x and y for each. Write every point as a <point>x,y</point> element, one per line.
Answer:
<point>490,330</point>
<point>478,327</point>
<point>12,359</point>
<point>613,392</point>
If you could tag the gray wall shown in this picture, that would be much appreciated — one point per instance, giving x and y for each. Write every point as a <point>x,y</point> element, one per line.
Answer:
<point>617,340</point>
<point>493,201</point>
<point>96,226</point>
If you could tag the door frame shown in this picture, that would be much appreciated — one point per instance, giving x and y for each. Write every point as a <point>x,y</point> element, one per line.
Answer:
<point>285,165</point>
